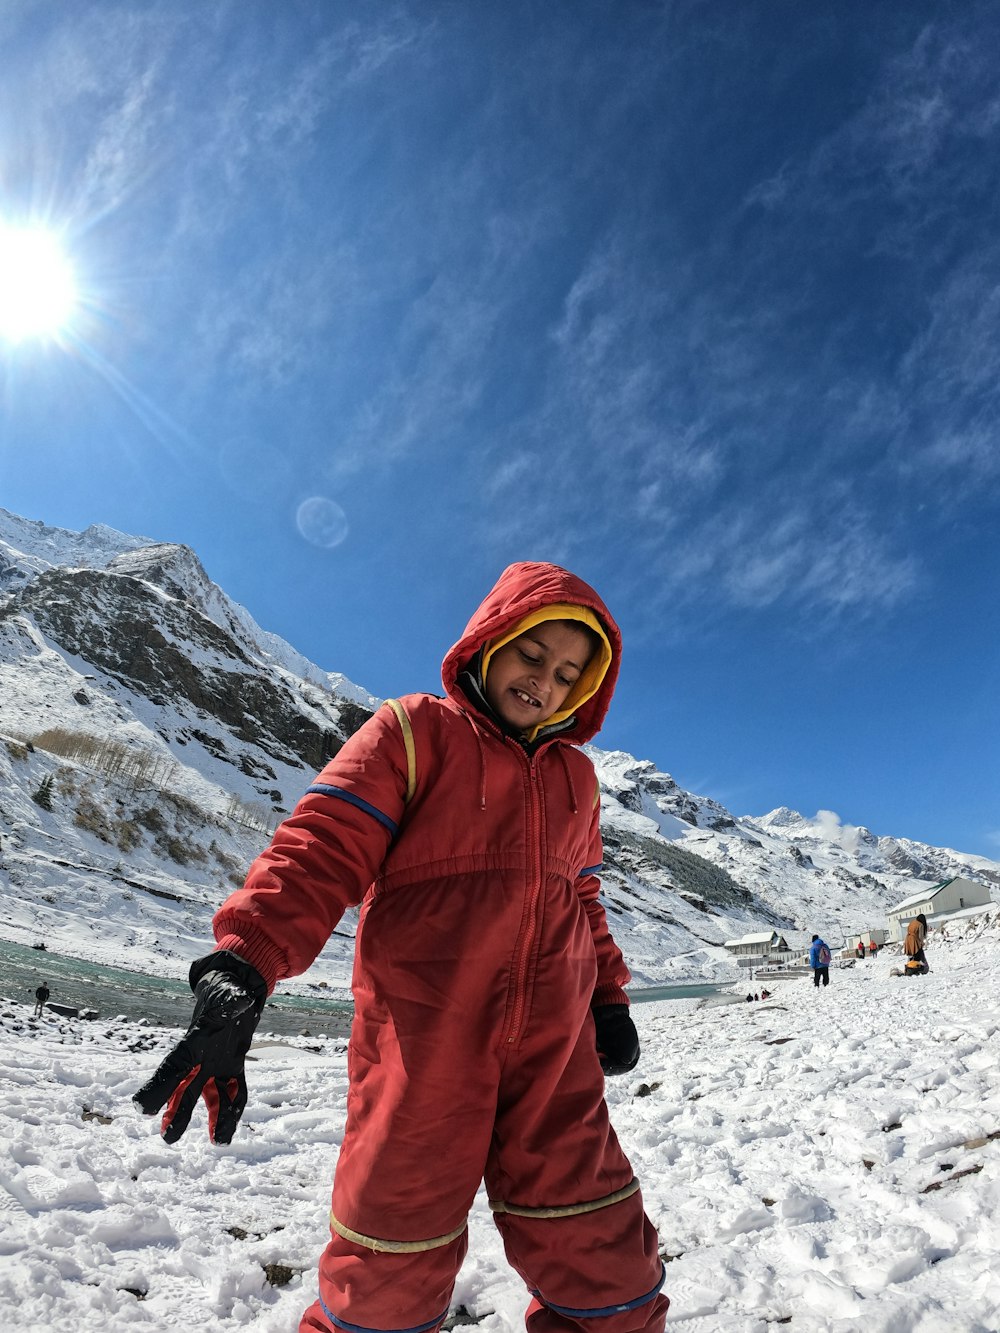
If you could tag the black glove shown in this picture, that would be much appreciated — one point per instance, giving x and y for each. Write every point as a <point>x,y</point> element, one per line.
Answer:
<point>617,1039</point>
<point>208,1060</point>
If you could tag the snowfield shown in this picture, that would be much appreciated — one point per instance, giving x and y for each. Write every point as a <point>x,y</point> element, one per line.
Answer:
<point>827,1160</point>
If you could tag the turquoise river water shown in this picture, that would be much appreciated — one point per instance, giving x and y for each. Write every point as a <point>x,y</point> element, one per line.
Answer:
<point>116,990</point>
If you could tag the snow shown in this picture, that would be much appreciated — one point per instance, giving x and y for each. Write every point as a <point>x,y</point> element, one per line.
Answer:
<point>829,1157</point>
<point>35,546</point>
<point>28,547</point>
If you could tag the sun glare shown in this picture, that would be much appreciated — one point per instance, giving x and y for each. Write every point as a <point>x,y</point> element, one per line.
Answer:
<point>37,289</point>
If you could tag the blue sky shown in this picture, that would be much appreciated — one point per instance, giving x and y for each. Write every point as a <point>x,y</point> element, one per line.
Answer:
<point>700,300</point>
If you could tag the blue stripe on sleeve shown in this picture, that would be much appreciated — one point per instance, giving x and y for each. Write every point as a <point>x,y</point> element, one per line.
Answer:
<point>591,870</point>
<point>323,789</point>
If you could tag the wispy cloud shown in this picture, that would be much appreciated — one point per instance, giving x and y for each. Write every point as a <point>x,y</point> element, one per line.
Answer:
<point>674,440</point>
<point>927,104</point>
<point>597,364</point>
<point>905,179</point>
<point>430,383</point>
<point>831,827</point>
<point>179,155</point>
<point>810,558</point>
<point>270,329</point>
<point>679,400</point>
<point>951,375</point>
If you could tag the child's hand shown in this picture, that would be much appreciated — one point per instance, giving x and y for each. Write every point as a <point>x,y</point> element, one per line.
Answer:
<point>208,1061</point>
<point>617,1039</point>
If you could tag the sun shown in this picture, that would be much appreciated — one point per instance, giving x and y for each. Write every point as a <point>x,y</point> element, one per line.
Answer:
<point>38,293</point>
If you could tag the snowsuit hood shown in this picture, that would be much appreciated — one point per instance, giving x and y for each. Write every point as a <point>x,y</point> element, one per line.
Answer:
<point>520,593</point>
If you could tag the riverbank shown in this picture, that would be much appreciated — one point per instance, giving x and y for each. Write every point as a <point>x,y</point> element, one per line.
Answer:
<point>117,992</point>
<point>110,991</point>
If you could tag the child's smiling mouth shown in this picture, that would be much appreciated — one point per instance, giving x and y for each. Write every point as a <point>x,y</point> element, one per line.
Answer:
<point>525,698</point>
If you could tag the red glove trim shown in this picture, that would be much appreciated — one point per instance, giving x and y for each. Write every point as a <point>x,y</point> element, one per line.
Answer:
<point>178,1093</point>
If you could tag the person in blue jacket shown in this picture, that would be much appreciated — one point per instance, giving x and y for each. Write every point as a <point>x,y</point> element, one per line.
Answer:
<point>819,961</point>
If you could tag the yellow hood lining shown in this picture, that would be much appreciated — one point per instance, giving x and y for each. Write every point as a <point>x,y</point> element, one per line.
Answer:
<point>589,681</point>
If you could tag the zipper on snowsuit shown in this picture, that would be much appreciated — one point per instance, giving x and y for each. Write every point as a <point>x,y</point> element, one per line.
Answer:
<point>525,941</point>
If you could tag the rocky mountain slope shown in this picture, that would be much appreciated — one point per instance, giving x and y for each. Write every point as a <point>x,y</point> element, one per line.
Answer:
<point>800,875</point>
<point>151,734</point>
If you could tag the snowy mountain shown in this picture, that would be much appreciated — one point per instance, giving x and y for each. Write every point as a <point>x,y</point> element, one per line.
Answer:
<point>783,869</point>
<point>151,734</point>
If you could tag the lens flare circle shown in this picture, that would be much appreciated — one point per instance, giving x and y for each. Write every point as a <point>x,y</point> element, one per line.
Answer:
<point>37,288</point>
<point>321,522</point>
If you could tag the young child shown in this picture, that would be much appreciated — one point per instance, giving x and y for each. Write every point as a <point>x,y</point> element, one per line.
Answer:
<point>487,987</point>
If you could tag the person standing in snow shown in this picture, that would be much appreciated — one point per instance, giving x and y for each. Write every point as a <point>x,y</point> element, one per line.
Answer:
<point>489,999</point>
<point>819,961</point>
<point>913,946</point>
<point>41,999</point>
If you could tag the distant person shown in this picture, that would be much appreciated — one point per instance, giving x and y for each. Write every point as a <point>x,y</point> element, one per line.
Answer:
<point>749,999</point>
<point>489,1000</point>
<point>819,961</point>
<point>861,949</point>
<point>765,994</point>
<point>41,999</point>
<point>756,996</point>
<point>872,949</point>
<point>913,946</point>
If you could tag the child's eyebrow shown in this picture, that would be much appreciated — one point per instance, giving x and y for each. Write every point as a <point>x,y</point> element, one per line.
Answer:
<point>540,643</point>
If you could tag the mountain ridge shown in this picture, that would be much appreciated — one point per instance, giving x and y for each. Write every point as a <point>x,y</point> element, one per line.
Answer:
<point>121,658</point>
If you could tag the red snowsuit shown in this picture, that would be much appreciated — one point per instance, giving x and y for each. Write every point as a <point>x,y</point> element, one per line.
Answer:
<point>481,946</point>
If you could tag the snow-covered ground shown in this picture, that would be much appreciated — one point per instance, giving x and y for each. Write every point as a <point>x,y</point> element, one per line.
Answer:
<point>828,1160</point>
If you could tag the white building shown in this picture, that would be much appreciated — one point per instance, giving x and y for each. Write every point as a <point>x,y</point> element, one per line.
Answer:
<point>936,901</point>
<point>867,938</point>
<point>767,945</point>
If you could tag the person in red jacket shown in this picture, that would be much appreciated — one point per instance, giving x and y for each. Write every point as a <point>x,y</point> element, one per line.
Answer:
<point>489,999</point>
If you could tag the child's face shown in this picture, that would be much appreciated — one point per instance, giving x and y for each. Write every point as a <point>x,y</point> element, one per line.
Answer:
<point>531,677</point>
